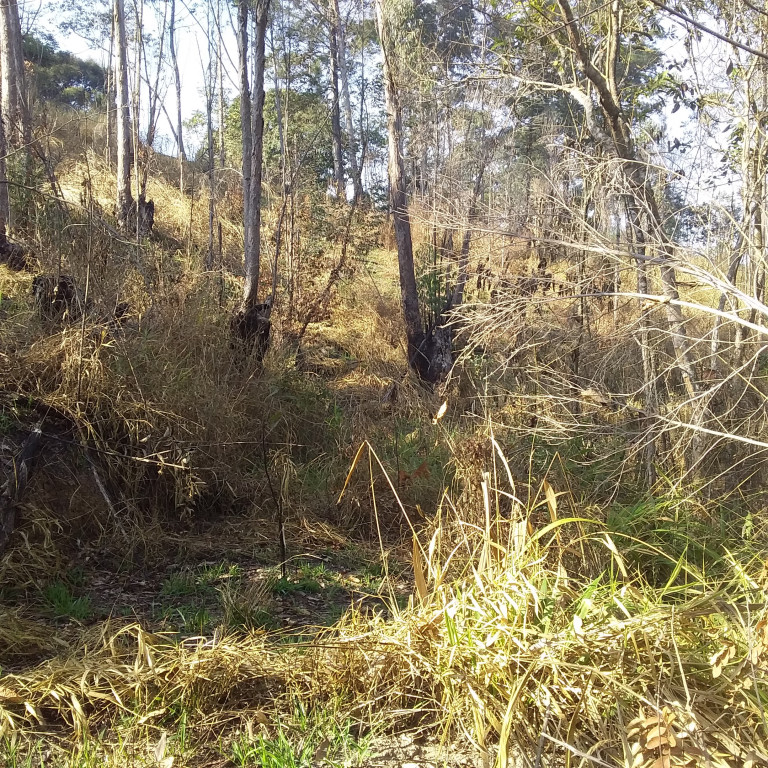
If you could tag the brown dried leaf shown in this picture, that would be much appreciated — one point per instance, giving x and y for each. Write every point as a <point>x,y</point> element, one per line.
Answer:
<point>6,694</point>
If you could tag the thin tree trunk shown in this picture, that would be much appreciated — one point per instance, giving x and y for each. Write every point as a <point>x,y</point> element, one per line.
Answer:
<point>253,247</point>
<point>5,205</point>
<point>398,202</point>
<point>338,161</point>
<point>220,64</point>
<point>461,281</point>
<point>634,172</point>
<point>341,48</point>
<point>177,82</point>
<point>210,94</point>
<point>12,69</point>
<point>153,106</point>
<point>124,195</point>
<point>245,117</point>
<point>110,89</point>
<point>278,110</point>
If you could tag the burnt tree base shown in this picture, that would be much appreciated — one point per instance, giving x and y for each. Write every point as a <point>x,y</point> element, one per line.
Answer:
<point>13,255</point>
<point>11,494</point>
<point>250,329</point>
<point>139,218</point>
<point>432,358</point>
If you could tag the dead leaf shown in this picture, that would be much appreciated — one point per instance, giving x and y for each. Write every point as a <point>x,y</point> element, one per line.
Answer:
<point>418,571</point>
<point>6,694</point>
<point>440,412</point>
<point>159,751</point>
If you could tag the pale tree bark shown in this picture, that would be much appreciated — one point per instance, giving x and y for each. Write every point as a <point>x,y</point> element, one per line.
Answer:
<point>338,161</point>
<point>153,106</point>
<point>251,324</point>
<point>5,205</point>
<point>125,202</point>
<point>253,242</point>
<point>425,356</point>
<point>461,280</point>
<point>12,89</point>
<point>210,92</point>
<point>643,198</point>
<point>177,82</point>
<point>110,92</point>
<point>341,48</point>
<point>243,19</point>
<point>220,65</point>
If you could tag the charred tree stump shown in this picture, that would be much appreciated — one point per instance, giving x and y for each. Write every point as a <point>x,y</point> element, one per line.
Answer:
<point>13,255</point>
<point>12,491</point>
<point>58,298</point>
<point>250,328</point>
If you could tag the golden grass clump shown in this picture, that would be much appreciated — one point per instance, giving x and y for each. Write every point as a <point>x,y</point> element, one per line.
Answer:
<point>505,644</point>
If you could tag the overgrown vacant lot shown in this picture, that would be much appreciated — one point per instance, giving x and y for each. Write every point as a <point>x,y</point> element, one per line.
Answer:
<point>413,415</point>
<point>461,591</point>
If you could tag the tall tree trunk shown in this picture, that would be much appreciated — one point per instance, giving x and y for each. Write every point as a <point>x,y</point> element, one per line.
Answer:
<point>177,82</point>
<point>243,17</point>
<point>14,93</point>
<point>12,68</point>
<point>341,48</point>
<point>634,171</point>
<point>461,280</point>
<point>220,64</point>
<point>338,161</point>
<point>210,93</point>
<point>109,87</point>
<point>251,323</point>
<point>253,245</point>
<point>418,357</point>
<point>124,196</point>
<point>153,101</point>
<point>5,205</point>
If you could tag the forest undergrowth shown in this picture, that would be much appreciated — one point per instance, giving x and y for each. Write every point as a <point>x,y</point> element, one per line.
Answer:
<point>319,561</point>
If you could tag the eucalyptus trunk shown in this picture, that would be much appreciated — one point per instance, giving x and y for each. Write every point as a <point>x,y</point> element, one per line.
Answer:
<point>338,160</point>
<point>177,82</point>
<point>418,354</point>
<point>125,202</point>
<point>346,103</point>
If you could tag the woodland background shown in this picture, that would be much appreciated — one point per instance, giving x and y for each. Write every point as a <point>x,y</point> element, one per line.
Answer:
<point>400,401</point>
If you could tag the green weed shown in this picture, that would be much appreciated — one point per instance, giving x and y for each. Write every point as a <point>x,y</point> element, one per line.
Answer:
<point>63,604</point>
<point>312,737</point>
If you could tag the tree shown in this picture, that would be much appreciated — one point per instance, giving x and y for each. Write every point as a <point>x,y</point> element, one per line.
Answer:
<point>60,77</point>
<point>177,82</point>
<point>14,105</point>
<point>339,37</point>
<point>251,322</point>
<point>338,162</point>
<point>125,203</point>
<point>429,352</point>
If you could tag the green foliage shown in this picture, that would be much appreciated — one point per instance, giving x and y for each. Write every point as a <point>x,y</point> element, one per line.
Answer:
<point>63,604</point>
<point>61,77</point>
<point>6,421</point>
<point>310,579</point>
<point>671,542</point>
<point>313,736</point>
<point>310,136</point>
<point>431,284</point>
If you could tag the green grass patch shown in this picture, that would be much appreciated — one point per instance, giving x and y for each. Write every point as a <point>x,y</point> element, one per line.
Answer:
<point>63,604</point>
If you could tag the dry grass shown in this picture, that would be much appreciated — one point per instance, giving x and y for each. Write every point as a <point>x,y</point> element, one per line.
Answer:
<point>504,645</point>
<point>532,635</point>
